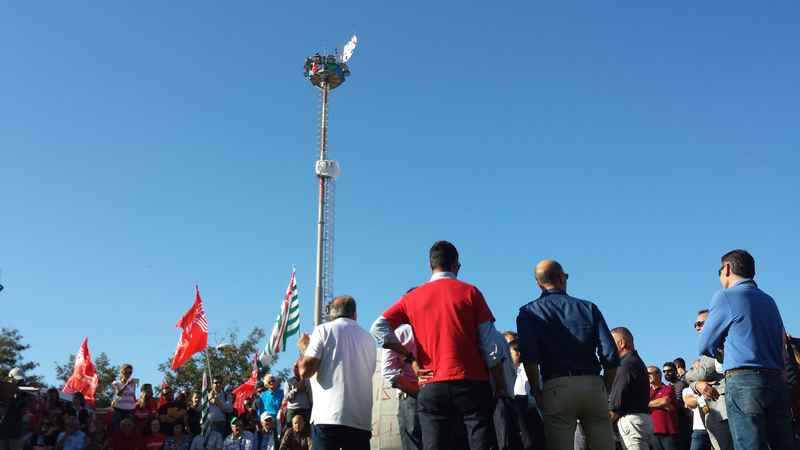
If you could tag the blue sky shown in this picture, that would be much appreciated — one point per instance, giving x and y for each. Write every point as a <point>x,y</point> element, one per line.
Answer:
<point>147,147</point>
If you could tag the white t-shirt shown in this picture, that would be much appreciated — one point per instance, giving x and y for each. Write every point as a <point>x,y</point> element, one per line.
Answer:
<point>127,398</point>
<point>697,419</point>
<point>342,387</point>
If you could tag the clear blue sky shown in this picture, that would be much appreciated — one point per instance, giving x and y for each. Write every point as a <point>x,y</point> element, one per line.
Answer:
<point>146,147</point>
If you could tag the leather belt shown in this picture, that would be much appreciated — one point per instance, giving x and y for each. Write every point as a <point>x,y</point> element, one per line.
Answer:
<point>757,370</point>
<point>572,373</point>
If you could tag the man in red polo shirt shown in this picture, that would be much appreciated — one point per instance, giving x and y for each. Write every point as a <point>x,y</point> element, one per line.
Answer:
<point>456,353</point>
<point>663,412</point>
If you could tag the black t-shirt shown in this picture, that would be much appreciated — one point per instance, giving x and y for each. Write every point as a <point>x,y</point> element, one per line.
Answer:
<point>11,423</point>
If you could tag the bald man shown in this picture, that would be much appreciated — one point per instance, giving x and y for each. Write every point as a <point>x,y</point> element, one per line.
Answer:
<point>561,338</point>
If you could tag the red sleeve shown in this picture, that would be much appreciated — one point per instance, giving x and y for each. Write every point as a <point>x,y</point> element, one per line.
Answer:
<point>482,312</point>
<point>396,314</point>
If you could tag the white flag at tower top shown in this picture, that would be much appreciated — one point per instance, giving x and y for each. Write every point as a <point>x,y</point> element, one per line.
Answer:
<point>347,51</point>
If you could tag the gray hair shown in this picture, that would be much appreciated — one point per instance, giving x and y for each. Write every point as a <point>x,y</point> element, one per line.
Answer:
<point>342,306</point>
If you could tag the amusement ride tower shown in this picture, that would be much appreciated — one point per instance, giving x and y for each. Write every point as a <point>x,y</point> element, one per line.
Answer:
<point>327,72</point>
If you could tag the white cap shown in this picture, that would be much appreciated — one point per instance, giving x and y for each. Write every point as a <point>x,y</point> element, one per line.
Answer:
<point>16,374</point>
<point>265,415</point>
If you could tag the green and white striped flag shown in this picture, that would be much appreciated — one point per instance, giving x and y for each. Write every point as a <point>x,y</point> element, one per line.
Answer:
<point>204,425</point>
<point>286,324</point>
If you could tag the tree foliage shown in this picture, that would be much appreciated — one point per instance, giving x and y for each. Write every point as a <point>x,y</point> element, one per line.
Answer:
<point>233,362</point>
<point>106,374</point>
<point>11,349</point>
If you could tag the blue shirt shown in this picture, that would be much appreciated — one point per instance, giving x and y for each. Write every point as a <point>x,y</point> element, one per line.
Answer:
<point>747,322</point>
<point>270,402</point>
<point>565,335</point>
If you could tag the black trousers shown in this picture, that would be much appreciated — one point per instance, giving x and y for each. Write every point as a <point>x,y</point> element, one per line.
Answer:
<point>339,437</point>
<point>442,405</point>
<point>664,442</point>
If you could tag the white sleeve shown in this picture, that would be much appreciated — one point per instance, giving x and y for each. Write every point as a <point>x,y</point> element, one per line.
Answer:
<point>316,344</point>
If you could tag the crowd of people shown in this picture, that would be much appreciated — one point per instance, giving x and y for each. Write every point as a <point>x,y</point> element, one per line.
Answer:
<point>562,380</point>
<point>171,422</point>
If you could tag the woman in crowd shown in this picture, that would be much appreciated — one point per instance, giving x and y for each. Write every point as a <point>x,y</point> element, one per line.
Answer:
<point>53,404</point>
<point>297,437</point>
<point>81,411</point>
<point>146,408</point>
<point>124,401</point>
<point>153,439</point>
<point>43,435</point>
<point>179,439</point>
<point>98,439</point>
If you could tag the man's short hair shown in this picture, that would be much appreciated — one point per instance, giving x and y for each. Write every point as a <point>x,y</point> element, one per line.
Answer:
<point>625,333</point>
<point>342,306</point>
<point>656,369</point>
<point>443,255</point>
<point>679,363</point>
<point>510,335</point>
<point>702,311</point>
<point>669,364</point>
<point>741,262</point>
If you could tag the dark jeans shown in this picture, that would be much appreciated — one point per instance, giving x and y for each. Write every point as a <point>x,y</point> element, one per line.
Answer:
<point>339,437</point>
<point>119,416</point>
<point>664,442</point>
<point>700,440</point>
<point>531,425</point>
<point>408,420</point>
<point>441,405</point>
<point>759,414</point>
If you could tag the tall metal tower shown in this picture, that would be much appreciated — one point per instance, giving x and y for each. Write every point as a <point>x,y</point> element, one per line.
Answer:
<point>327,72</point>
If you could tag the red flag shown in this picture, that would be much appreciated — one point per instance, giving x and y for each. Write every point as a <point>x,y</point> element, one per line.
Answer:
<point>84,377</point>
<point>194,334</point>
<point>247,389</point>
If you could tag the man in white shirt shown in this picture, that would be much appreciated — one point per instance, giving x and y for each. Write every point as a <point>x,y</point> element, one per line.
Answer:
<point>531,423</point>
<point>400,375</point>
<point>696,403</point>
<point>340,360</point>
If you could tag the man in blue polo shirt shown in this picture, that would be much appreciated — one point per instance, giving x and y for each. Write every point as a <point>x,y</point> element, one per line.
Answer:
<point>564,336</point>
<point>745,326</point>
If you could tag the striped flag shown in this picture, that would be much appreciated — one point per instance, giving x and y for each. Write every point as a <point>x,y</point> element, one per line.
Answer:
<point>286,324</point>
<point>204,404</point>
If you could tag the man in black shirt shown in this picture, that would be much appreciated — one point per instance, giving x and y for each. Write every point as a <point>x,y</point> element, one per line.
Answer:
<point>630,395</point>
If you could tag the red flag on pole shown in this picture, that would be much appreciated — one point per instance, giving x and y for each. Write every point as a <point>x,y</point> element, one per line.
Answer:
<point>194,334</point>
<point>246,390</point>
<point>84,377</point>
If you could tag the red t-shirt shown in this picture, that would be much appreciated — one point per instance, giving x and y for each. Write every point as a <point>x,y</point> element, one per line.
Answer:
<point>664,421</point>
<point>121,441</point>
<point>444,315</point>
<point>153,442</point>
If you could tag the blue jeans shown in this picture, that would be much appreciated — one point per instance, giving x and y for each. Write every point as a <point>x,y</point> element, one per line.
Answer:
<point>700,440</point>
<point>336,437</point>
<point>759,413</point>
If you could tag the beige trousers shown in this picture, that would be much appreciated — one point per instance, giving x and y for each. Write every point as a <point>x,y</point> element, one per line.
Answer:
<point>636,431</point>
<point>569,399</point>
